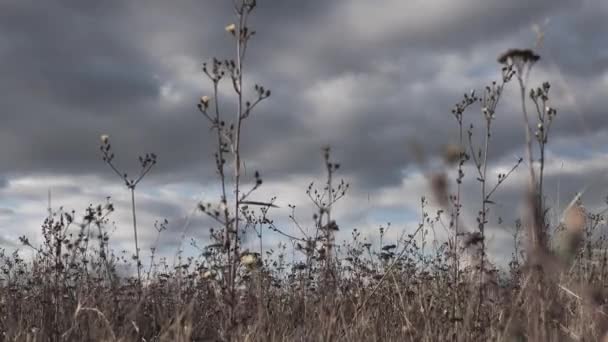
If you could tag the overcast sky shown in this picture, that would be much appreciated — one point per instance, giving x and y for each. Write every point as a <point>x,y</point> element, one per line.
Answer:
<point>368,78</point>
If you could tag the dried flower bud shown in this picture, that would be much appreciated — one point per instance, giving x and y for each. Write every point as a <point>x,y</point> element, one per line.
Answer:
<point>571,238</point>
<point>575,219</point>
<point>205,101</point>
<point>223,206</point>
<point>231,28</point>
<point>105,138</point>
<point>249,260</point>
<point>209,274</point>
<point>452,153</point>
<point>439,186</point>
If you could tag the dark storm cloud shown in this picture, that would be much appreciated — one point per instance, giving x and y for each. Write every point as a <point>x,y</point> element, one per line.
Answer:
<point>73,71</point>
<point>6,212</point>
<point>71,56</point>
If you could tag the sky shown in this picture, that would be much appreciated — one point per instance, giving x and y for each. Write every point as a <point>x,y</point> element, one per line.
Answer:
<point>368,78</point>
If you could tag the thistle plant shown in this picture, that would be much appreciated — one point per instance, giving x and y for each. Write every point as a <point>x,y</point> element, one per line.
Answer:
<point>146,162</point>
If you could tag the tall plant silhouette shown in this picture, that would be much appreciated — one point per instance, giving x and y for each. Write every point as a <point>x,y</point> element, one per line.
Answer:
<point>228,135</point>
<point>146,162</point>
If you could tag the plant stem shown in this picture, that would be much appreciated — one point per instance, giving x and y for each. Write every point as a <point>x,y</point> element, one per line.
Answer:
<point>237,154</point>
<point>522,88</point>
<point>456,227</point>
<point>482,219</point>
<point>220,165</point>
<point>135,233</point>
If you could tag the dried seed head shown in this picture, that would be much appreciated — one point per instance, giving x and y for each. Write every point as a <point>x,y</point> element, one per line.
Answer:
<point>439,186</point>
<point>523,55</point>
<point>575,219</point>
<point>105,139</point>
<point>452,153</point>
<point>249,260</point>
<point>209,274</point>
<point>231,28</point>
<point>205,100</point>
<point>472,239</point>
<point>223,206</point>
<point>573,235</point>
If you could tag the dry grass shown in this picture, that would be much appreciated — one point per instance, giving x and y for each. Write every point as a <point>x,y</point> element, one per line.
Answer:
<point>371,293</point>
